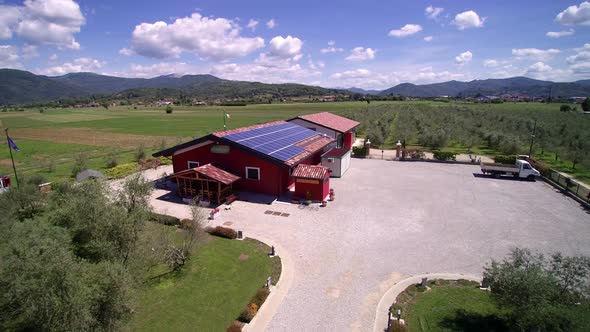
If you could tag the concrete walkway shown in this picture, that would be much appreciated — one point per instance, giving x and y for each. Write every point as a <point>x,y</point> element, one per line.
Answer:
<point>389,297</point>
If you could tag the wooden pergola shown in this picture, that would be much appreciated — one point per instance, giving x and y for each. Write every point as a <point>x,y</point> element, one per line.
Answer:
<point>207,181</point>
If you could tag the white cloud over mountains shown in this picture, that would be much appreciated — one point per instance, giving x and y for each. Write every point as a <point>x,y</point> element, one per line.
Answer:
<point>51,22</point>
<point>406,30</point>
<point>464,58</point>
<point>361,54</point>
<point>575,15</point>
<point>468,20</point>
<point>76,66</point>
<point>209,38</point>
<point>534,54</point>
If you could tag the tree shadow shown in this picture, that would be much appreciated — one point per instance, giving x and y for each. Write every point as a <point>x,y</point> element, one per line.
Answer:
<point>470,321</point>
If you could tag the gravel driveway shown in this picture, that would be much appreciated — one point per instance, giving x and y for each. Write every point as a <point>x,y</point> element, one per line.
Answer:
<point>391,220</point>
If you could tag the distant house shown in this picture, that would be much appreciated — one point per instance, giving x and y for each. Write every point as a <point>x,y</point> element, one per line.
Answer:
<point>327,98</point>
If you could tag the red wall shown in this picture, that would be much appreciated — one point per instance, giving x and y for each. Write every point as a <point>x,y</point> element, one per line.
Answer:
<point>348,140</point>
<point>318,191</point>
<point>274,180</point>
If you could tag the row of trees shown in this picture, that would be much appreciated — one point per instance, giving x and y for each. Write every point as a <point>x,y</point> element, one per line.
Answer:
<point>73,259</point>
<point>503,129</point>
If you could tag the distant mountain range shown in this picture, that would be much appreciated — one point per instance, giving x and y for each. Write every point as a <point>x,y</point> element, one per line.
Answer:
<point>20,87</point>
<point>493,87</point>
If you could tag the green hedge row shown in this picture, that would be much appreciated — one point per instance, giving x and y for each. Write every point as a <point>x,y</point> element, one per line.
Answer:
<point>445,156</point>
<point>164,219</point>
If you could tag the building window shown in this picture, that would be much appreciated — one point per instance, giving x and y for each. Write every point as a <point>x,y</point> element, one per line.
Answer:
<point>193,164</point>
<point>330,160</point>
<point>253,173</point>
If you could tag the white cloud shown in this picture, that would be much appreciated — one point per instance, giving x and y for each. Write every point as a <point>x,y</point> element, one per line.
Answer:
<point>331,48</point>
<point>491,63</point>
<point>52,22</point>
<point>357,73</point>
<point>428,38</point>
<point>157,69</point>
<point>126,51</point>
<point>9,17</point>
<point>467,20</point>
<point>76,66</point>
<point>9,57</point>
<point>53,57</point>
<point>361,54</point>
<point>276,72</point>
<point>558,34</point>
<point>271,24</point>
<point>288,47</point>
<point>252,24</point>
<point>539,67</point>
<point>210,38</point>
<point>534,54</point>
<point>406,30</point>
<point>575,15</point>
<point>433,12</point>
<point>29,52</point>
<point>464,58</point>
<point>579,64</point>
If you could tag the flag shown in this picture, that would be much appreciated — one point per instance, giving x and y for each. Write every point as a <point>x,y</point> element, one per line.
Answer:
<point>227,115</point>
<point>11,143</point>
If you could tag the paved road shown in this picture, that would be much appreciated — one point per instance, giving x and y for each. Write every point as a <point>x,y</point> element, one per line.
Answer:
<point>392,220</point>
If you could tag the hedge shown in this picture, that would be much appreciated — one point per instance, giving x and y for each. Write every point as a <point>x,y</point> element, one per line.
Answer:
<point>446,156</point>
<point>164,219</point>
<point>121,170</point>
<point>224,232</point>
<point>359,151</point>
<point>501,159</point>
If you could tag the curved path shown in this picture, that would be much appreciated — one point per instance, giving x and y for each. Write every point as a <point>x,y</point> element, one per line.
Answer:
<point>410,217</point>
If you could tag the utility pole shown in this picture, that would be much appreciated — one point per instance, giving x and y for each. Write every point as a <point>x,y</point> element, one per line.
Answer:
<point>532,139</point>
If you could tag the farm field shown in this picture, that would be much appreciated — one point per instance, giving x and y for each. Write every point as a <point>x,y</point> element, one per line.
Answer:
<point>50,140</point>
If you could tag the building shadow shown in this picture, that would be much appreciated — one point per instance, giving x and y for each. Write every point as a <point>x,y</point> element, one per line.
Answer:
<point>474,322</point>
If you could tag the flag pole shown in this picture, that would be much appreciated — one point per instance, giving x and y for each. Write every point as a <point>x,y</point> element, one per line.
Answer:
<point>11,157</point>
<point>224,115</point>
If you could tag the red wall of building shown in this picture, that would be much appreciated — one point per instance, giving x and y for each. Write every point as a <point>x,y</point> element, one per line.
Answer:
<point>348,140</point>
<point>318,191</point>
<point>274,180</point>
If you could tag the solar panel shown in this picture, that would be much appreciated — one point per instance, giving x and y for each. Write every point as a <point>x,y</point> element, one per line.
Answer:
<point>277,141</point>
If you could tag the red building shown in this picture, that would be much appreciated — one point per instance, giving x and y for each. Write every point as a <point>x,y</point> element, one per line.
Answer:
<point>262,156</point>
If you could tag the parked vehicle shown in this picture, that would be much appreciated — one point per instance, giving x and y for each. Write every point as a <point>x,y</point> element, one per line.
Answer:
<point>521,169</point>
<point>4,183</point>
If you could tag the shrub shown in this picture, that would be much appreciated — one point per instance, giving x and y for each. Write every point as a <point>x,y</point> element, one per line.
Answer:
<point>169,109</point>
<point>413,154</point>
<point>397,327</point>
<point>359,151</point>
<point>164,219</point>
<point>502,159</point>
<point>112,159</point>
<point>565,108</point>
<point>248,313</point>
<point>224,232</point>
<point>140,153</point>
<point>80,163</point>
<point>186,223</point>
<point>260,297</point>
<point>165,161</point>
<point>446,156</point>
<point>540,166</point>
<point>35,180</point>
<point>121,170</point>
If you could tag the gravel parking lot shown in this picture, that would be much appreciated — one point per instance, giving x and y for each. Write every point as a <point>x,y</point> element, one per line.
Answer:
<point>391,220</point>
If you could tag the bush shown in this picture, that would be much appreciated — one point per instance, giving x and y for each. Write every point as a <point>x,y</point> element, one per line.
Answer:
<point>169,109</point>
<point>540,166</point>
<point>164,219</point>
<point>413,154</point>
<point>565,108</point>
<point>80,163</point>
<point>397,327</point>
<point>121,170</point>
<point>186,223</point>
<point>359,151</point>
<point>446,156</point>
<point>35,180</point>
<point>165,161</point>
<point>112,159</point>
<point>248,313</point>
<point>140,153</point>
<point>224,232</point>
<point>260,297</point>
<point>501,159</point>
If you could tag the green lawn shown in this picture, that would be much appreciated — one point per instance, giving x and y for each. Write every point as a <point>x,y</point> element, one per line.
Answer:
<point>462,306</point>
<point>210,292</point>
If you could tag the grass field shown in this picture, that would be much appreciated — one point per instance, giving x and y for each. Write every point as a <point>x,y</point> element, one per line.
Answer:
<point>211,290</point>
<point>49,140</point>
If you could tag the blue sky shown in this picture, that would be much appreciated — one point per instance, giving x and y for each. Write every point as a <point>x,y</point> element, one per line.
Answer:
<point>370,44</point>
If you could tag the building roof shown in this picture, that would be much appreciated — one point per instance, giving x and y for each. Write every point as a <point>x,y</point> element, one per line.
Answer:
<point>336,153</point>
<point>315,172</point>
<point>279,142</point>
<point>331,121</point>
<point>212,172</point>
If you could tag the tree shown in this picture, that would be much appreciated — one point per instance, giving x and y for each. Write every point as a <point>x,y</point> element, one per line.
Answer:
<point>105,105</point>
<point>565,108</point>
<point>537,290</point>
<point>586,105</point>
<point>176,254</point>
<point>169,109</point>
<point>140,153</point>
<point>80,163</point>
<point>20,203</point>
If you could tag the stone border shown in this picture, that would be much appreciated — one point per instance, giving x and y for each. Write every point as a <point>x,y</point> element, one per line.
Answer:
<point>278,291</point>
<point>389,297</point>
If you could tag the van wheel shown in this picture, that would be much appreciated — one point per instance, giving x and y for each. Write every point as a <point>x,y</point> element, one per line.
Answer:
<point>531,178</point>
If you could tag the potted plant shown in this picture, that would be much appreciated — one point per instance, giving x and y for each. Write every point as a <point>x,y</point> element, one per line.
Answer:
<point>308,198</point>
<point>332,194</point>
<point>324,204</point>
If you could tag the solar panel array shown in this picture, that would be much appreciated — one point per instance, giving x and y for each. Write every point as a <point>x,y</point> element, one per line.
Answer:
<point>277,141</point>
